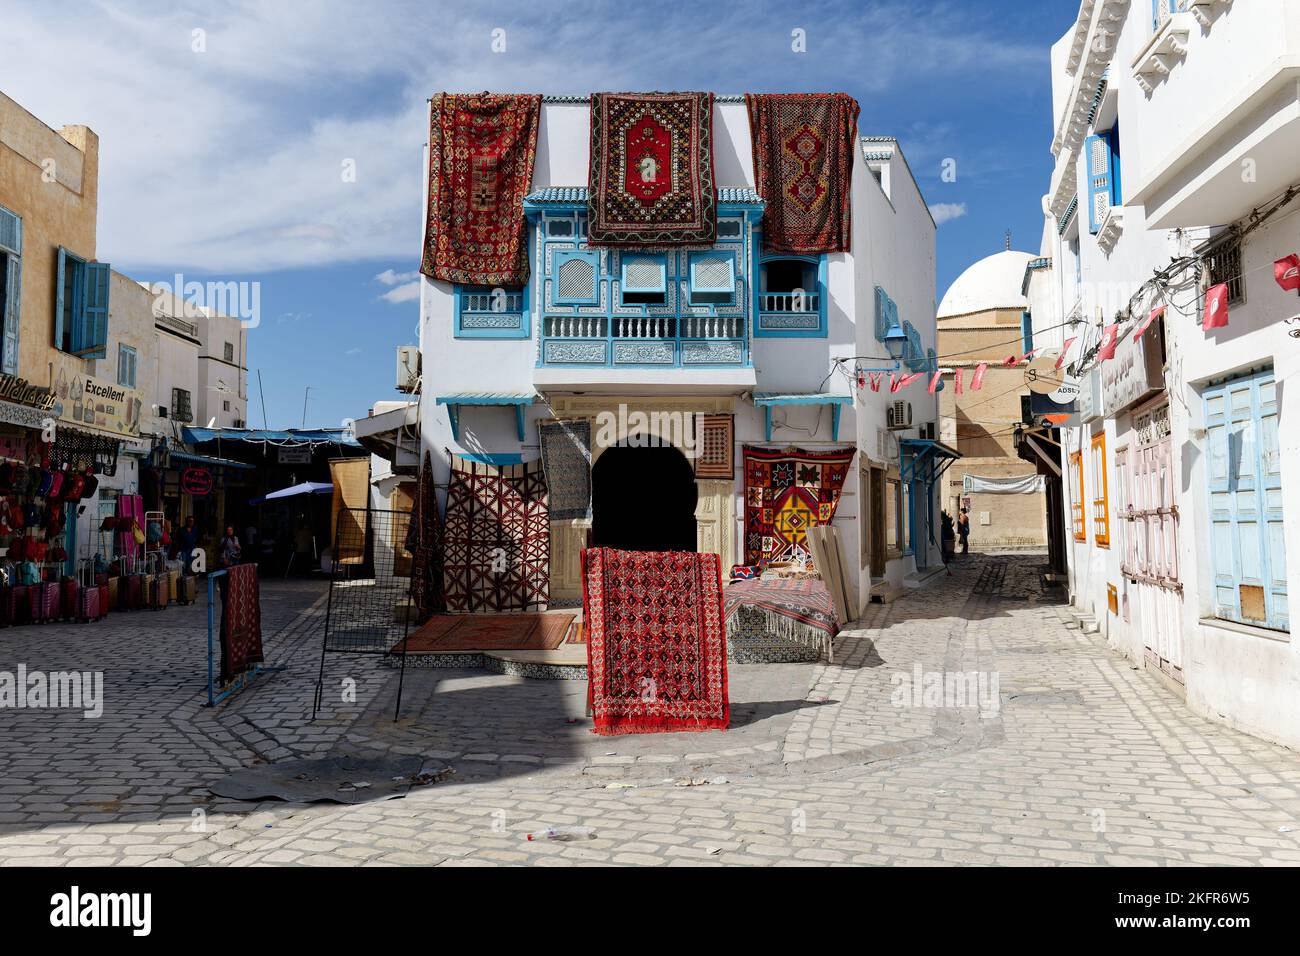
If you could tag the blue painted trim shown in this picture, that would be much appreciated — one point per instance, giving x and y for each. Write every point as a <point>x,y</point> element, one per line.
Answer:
<point>760,259</point>
<point>492,459</point>
<point>455,402</point>
<point>768,400</point>
<point>525,330</point>
<point>693,286</point>
<point>568,255</point>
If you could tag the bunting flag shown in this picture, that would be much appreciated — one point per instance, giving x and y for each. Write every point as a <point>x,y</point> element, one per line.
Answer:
<point>907,380</point>
<point>894,382</point>
<point>875,378</point>
<point>1109,339</point>
<point>1146,323</point>
<point>1065,350</point>
<point>956,380</point>
<point>1287,272</point>
<point>977,380</point>
<point>1216,307</point>
<point>934,382</point>
<point>1011,361</point>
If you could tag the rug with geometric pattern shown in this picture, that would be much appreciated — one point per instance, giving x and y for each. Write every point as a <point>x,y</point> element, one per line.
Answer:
<point>786,492</point>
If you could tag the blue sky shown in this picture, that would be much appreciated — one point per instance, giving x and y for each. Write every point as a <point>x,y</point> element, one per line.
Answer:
<point>225,129</point>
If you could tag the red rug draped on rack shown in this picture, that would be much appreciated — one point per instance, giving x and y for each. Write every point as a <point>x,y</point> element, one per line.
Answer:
<point>651,177</point>
<point>785,493</point>
<point>656,644</point>
<point>241,622</point>
<point>497,538</point>
<point>481,152</point>
<point>803,147</point>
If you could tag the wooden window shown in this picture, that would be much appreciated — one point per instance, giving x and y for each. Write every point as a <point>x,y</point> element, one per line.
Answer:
<point>1101,492</point>
<point>11,288</point>
<point>81,306</point>
<point>126,362</point>
<point>1243,465</point>
<point>893,515</point>
<point>1078,526</point>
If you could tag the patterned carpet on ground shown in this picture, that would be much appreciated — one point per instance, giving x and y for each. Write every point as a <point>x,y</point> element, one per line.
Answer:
<point>489,632</point>
<point>656,647</point>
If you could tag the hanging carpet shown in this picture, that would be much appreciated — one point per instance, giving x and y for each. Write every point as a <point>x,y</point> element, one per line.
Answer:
<point>566,461</point>
<point>785,492</point>
<point>241,622</point>
<point>651,174</point>
<point>656,645</point>
<point>481,152</point>
<point>803,147</point>
<point>424,542</point>
<point>497,538</point>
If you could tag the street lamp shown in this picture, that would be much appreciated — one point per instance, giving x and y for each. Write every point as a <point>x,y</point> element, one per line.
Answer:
<point>896,343</point>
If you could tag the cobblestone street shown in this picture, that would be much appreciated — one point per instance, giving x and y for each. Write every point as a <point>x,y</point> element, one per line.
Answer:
<point>1073,757</point>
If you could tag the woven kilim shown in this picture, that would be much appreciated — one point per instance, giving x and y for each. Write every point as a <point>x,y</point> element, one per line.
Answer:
<point>656,645</point>
<point>651,174</point>
<point>241,622</point>
<point>481,152</point>
<point>801,611</point>
<point>497,538</point>
<point>424,541</point>
<point>566,460</point>
<point>785,493</point>
<point>803,147</point>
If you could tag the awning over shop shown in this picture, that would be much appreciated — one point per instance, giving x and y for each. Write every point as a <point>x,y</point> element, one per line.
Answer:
<point>211,462</point>
<point>285,437</point>
<point>302,488</point>
<point>924,459</point>
<point>518,400</point>
<point>769,400</point>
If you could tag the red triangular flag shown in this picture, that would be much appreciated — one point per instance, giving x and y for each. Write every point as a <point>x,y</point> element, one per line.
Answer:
<point>934,382</point>
<point>956,380</point>
<point>1010,361</point>
<point>894,382</point>
<point>909,379</point>
<point>875,379</point>
<point>1065,350</point>
<point>1146,323</point>
<point>977,380</point>
<point>1109,339</point>
<point>1287,272</point>
<point>1216,307</point>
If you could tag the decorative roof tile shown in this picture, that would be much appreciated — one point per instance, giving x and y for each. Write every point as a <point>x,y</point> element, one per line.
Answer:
<point>572,194</point>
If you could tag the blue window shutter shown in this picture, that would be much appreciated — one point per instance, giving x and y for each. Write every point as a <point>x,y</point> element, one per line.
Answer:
<point>1096,153</point>
<point>1026,332</point>
<point>64,265</point>
<point>11,232</point>
<point>882,314</point>
<point>1272,539</point>
<point>90,333</point>
<point>13,315</point>
<point>1116,190</point>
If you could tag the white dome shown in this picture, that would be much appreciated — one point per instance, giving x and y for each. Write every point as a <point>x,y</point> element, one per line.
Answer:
<point>991,283</point>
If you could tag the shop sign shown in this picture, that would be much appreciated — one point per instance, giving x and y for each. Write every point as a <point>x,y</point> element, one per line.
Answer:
<point>87,400</point>
<point>1136,371</point>
<point>16,389</point>
<point>1088,402</point>
<point>196,482</point>
<point>295,456</point>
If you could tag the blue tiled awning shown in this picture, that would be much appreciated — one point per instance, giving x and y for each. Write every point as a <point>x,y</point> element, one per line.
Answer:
<point>300,436</point>
<point>210,461</point>
<point>924,459</point>
<point>518,400</point>
<point>769,400</point>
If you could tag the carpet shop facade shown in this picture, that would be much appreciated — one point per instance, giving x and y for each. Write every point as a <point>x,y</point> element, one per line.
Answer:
<point>673,322</point>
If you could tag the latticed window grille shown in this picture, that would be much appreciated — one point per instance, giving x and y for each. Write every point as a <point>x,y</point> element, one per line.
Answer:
<point>642,275</point>
<point>577,279</point>
<point>1224,265</point>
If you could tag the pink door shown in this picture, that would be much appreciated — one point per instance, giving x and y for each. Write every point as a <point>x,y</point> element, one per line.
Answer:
<point>1152,558</point>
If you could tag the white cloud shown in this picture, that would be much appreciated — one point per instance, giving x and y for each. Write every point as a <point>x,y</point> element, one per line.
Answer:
<point>947,211</point>
<point>389,277</point>
<point>409,292</point>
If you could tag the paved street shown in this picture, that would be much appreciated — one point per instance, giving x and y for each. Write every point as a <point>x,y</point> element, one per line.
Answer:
<point>1072,757</point>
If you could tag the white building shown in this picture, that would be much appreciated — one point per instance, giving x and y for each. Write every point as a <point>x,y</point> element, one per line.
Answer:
<point>222,399</point>
<point>1177,137</point>
<point>749,355</point>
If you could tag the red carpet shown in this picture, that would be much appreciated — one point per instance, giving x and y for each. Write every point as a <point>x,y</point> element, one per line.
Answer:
<point>488,632</point>
<point>656,646</point>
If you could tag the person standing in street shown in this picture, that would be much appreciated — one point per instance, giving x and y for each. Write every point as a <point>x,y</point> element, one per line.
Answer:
<point>963,530</point>
<point>229,552</point>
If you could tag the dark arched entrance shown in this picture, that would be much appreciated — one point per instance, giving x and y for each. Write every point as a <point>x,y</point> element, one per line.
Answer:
<point>643,499</point>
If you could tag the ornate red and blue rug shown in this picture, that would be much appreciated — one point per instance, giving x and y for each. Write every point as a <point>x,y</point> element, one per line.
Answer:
<point>651,179</point>
<point>656,642</point>
<point>786,491</point>
<point>481,152</point>
<point>497,538</point>
<point>803,147</point>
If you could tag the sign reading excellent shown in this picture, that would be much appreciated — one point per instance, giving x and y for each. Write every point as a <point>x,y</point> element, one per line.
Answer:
<point>87,400</point>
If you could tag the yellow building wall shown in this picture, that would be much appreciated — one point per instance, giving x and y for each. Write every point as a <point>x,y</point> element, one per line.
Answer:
<point>980,426</point>
<point>51,180</point>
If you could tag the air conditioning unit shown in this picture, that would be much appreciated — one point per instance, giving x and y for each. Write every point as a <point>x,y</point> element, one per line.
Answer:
<point>408,368</point>
<point>899,415</point>
<point>927,431</point>
<point>237,423</point>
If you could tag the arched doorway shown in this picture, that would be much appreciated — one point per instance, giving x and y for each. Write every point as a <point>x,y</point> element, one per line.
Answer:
<point>643,499</point>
